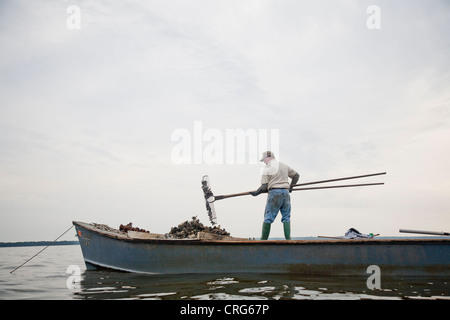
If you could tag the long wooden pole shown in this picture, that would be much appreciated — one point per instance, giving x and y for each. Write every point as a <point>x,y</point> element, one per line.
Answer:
<point>341,186</point>
<point>436,233</point>
<point>220,197</point>
<point>299,189</point>
<point>339,179</point>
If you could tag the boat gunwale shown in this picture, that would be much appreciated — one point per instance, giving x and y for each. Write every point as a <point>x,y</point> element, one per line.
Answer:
<point>125,237</point>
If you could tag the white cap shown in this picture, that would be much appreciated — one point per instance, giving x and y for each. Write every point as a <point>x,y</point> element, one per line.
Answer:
<point>267,154</point>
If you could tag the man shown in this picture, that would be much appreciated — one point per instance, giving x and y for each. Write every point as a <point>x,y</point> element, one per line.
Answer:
<point>275,180</point>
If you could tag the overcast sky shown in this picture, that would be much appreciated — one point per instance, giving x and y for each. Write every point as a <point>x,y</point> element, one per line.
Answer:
<point>87,115</point>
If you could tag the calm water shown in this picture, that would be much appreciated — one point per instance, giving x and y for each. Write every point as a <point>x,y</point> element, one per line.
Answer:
<point>48,276</point>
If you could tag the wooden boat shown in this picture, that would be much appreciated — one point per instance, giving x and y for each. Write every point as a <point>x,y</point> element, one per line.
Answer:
<point>153,254</point>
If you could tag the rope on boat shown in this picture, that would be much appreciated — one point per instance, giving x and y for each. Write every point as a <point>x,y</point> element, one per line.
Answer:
<point>42,249</point>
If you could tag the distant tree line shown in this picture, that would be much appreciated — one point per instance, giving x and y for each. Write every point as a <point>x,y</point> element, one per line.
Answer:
<point>37,243</point>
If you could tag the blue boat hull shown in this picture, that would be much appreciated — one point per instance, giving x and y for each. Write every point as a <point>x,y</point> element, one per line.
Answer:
<point>418,257</point>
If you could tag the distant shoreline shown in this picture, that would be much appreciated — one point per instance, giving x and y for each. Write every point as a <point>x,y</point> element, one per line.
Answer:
<point>37,243</point>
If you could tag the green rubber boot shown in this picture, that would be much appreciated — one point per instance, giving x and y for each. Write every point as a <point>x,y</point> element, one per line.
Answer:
<point>265,231</point>
<point>287,230</point>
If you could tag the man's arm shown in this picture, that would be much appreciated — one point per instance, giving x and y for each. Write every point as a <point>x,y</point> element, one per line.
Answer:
<point>294,181</point>
<point>262,189</point>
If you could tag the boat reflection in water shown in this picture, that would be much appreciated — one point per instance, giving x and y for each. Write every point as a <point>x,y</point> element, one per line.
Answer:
<point>104,284</point>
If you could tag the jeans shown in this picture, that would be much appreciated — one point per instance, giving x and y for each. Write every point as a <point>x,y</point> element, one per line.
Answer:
<point>278,200</point>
